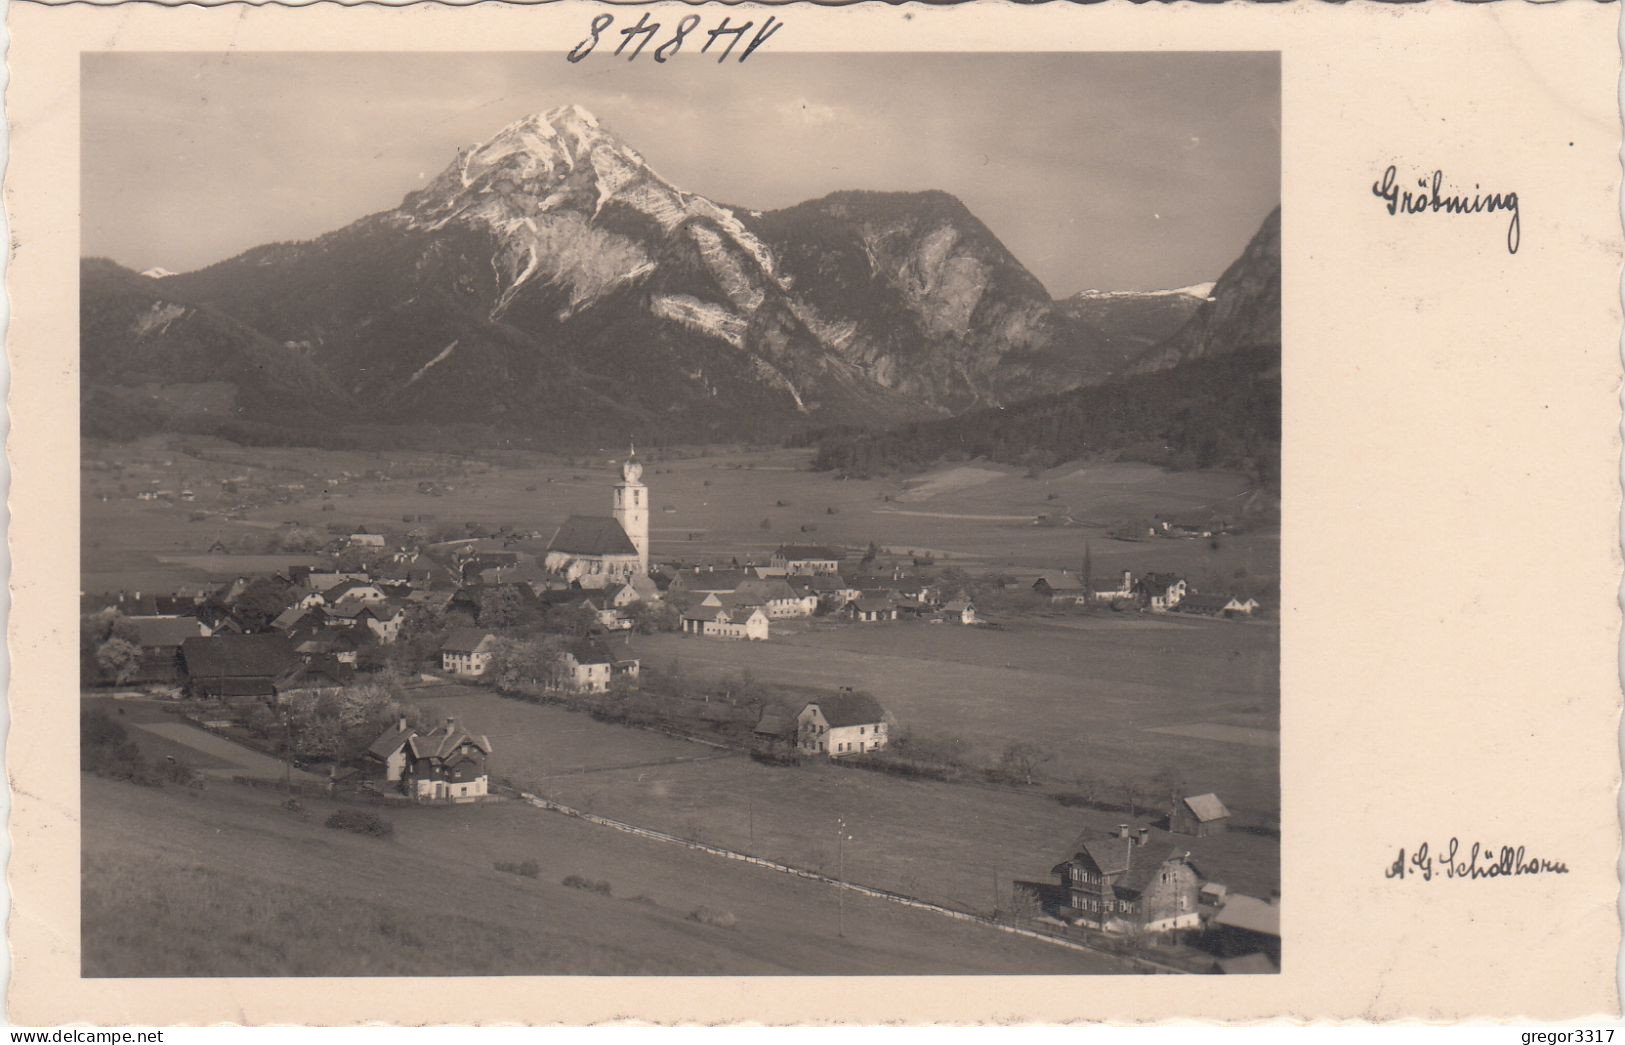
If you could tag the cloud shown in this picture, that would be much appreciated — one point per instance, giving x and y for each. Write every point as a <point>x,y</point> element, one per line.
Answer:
<point>810,114</point>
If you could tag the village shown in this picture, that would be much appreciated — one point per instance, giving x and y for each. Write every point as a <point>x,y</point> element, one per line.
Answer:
<point>332,669</point>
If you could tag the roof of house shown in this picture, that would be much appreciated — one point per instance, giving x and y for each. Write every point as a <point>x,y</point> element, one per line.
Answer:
<point>443,740</point>
<point>591,651</point>
<point>163,631</point>
<point>1133,863</point>
<point>343,588</point>
<point>806,552</point>
<point>591,535</point>
<point>386,609</point>
<point>464,640</point>
<point>1061,581</point>
<point>1206,807</point>
<point>711,580</point>
<point>824,582</point>
<point>959,606</point>
<point>237,656</point>
<point>849,709</point>
<point>390,741</point>
<point>702,612</point>
<point>1204,603</point>
<point>875,601</point>
<point>291,616</point>
<point>1254,964</point>
<point>777,588</point>
<point>1250,913</point>
<point>1161,580</point>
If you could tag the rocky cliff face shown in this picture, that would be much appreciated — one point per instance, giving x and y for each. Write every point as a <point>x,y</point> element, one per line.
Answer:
<point>1243,311</point>
<point>550,285</point>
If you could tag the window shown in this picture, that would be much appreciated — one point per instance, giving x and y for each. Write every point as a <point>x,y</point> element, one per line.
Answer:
<point>860,731</point>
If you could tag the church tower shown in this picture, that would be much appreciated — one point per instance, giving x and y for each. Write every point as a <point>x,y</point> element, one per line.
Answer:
<point>632,508</point>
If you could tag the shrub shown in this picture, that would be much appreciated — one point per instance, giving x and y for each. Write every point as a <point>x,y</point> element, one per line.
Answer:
<point>712,916</point>
<point>361,823</point>
<point>575,881</point>
<point>526,868</point>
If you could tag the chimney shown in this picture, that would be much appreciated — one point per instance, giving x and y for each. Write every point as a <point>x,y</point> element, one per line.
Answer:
<point>451,725</point>
<point>1145,836</point>
<point>401,725</point>
<point>1122,830</point>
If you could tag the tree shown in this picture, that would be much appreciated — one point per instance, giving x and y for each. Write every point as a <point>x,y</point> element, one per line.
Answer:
<point>261,602</point>
<point>118,661</point>
<point>651,617</point>
<point>1022,759</point>
<point>871,554</point>
<point>501,607</point>
<point>1088,575</point>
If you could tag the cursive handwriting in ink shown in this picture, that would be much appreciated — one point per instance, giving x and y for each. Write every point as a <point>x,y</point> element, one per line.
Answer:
<point>1432,199</point>
<point>1480,860</point>
<point>643,31</point>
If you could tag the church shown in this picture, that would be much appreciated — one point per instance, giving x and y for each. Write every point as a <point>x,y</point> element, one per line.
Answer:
<point>597,551</point>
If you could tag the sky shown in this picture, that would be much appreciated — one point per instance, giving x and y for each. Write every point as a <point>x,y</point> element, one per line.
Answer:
<point>1109,171</point>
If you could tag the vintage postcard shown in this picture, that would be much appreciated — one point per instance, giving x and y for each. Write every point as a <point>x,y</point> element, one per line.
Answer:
<point>793,514</point>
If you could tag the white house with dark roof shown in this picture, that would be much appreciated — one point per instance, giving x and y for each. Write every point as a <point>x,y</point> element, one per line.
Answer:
<point>446,764</point>
<point>842,724</point>
<point>726,621</point>
<point>467,652</point>
<point>806,559</point>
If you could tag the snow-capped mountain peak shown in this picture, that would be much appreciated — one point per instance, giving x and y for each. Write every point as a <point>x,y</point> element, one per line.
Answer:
<point>157,272</point>
<point>1195,290</point>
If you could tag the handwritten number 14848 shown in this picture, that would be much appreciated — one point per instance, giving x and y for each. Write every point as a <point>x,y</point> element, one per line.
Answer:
<point>643,31</point>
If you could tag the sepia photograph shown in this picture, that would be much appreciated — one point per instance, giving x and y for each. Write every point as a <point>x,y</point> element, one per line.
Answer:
<point>814,516</point>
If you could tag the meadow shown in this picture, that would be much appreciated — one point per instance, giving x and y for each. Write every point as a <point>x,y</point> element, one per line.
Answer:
<point>1117,698</point>
<point>227,882</point>
<point>979,839</point>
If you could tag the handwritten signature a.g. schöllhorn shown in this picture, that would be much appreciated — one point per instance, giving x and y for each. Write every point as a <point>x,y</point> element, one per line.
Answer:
<point>1480,860</point>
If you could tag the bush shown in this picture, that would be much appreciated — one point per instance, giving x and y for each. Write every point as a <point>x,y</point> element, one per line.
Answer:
<point>526,868</point>
<point>713,916</point>
<point>575,881</point>
<point>361,823</point>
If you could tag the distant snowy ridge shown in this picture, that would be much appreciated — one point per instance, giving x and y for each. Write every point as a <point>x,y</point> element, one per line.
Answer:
<point>1195,290</point>
<point>157,273</point>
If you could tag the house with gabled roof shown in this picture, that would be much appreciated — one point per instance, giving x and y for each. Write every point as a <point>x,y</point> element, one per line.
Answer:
<point>591,666</point>
<point>1161,592</point>
<point>1199,815</point>
<point>1246,925</point>
<point>1128,883</point>
<point>1061,586</point>
<point>467,652</point>
<point>960,611</point>
<point>447,763</point>
<point>236,667</point>
<point>840,724</point>
<point>737,621</point>
<point>777,597</point>
<point>872,606</point>
<point>805,559</point>
<point>160,639</point>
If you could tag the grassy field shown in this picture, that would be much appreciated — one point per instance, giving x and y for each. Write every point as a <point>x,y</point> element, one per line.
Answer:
<point>707,504</point>
<point>225,882</point>
<point>1100,691</point>
<point>978,839</point>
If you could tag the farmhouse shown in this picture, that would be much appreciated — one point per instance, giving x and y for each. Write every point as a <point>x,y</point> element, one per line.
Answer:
<point>831,590</point>
<point>590,666</point>
<point>872,606</point>
<point>160,639</point>
<point>446,764</point>
<point>1161,591</point>
<point>236,666</point>
<point>774,730</point>
<point>383,619</point>
<point>363,539</point>
<point>596,551</point>
<point>806,559</point>
<point>467,652</point>
<point>1061,587</point>
<point>777,598</point>
<point>842,724</point>
<point>726,622</point>
<point>961,611</point>
<point>707,580</point>
<point>1199,815</point>
<point>1123,883</point>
